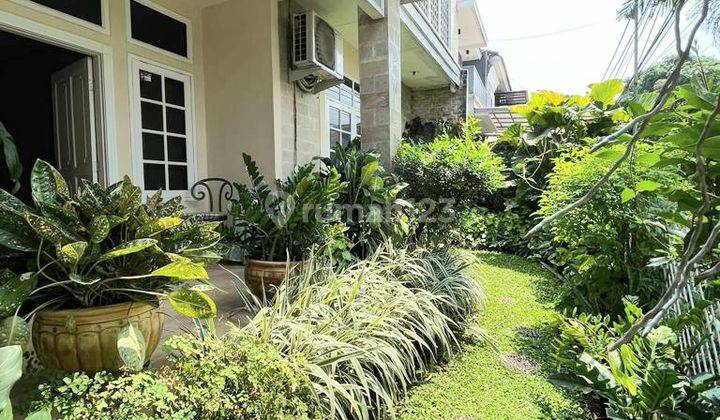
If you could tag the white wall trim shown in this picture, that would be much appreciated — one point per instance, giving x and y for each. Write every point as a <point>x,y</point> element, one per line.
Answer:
<point>103,54</point>
<point>135,62</point>
<point>105,15</point>
<point>170,13</point>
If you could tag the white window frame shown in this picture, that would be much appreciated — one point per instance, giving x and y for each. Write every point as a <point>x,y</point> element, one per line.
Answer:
<point>104,15</point>
<point>170,13</point>
<point>355,116</point>
<point>136,65</point>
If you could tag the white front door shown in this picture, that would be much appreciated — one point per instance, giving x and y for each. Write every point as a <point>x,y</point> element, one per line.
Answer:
<point>74,119</point>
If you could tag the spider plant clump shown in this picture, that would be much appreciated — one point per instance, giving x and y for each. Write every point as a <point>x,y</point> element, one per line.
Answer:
<point>369,331</point>
<point>99,246</point>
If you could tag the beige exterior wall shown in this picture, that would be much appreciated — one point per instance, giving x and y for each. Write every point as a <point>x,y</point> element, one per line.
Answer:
<point>117,39</point>
<point>241,66</point>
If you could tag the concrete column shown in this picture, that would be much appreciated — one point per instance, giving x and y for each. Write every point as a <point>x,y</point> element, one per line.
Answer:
<point>380,80</point>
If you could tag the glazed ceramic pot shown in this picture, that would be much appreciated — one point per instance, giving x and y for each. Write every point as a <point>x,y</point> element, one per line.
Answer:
<point>85,340</point>
<point>262,277</point>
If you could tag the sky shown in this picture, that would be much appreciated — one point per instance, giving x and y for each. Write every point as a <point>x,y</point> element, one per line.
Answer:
<point>560,45</point>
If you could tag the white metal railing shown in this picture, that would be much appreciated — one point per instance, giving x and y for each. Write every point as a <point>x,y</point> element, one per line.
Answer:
<point>437,12</point>
<point>707,357</point>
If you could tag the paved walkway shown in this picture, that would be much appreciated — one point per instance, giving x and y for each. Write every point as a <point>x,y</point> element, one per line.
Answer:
<point>229,306</point>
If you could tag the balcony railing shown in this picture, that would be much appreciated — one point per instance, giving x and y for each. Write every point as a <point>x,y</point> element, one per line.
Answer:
<point>437,13</point>
<point>517,97</point>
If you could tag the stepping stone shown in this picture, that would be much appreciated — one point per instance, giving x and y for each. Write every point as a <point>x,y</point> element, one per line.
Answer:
<point>526,332</point>
<point>507,300</point>
<point>520,364</point>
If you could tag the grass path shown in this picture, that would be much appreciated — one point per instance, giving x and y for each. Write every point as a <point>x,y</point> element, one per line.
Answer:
<point>478,385</point>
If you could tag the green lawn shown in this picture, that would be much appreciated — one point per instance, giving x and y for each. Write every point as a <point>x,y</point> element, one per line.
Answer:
<point>477,385</point>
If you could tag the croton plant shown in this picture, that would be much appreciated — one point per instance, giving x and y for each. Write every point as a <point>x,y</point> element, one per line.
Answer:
<point>99,246</point>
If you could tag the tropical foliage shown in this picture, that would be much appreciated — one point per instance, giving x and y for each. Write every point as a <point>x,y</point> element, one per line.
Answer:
<point>646,378</point>
<point>369,204</point>
<point>604,248</point>
<point>97,247</point>
<point>286,222</point>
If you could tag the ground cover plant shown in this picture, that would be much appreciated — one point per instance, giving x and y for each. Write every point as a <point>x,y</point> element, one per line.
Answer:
<point>520,297</point>
<point>205,379</point>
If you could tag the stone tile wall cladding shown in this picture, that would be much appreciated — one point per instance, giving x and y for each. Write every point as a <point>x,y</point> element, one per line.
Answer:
<point>439,103</point>
<point>297,107</point>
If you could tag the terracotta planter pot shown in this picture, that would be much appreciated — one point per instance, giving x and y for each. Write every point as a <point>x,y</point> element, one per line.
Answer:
<point>264,276</point>
<point>91,345</point>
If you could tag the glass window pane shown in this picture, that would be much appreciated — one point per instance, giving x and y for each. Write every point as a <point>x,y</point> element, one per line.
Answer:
<point>178,177</point>
<point>174,92</point>
<point>155,28</point>
<point>152,118</point>
<point>346,139</point>
<point>175,120</point>
<point>345,121</point>
<point>153,146</point>
<point>87,10</point>
<point>150,86</point>
<point>334,118</point>
<point>333,93</point>
<point>177,151</point>
<point>334,137</point>
<point>346,97</point>
<point>154,175</point>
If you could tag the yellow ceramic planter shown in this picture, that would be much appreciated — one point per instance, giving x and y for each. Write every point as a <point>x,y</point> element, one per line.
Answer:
<point>85,340</point>
<point>264,276</point>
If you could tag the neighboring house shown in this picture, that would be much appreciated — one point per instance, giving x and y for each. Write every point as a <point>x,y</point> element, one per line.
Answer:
<point>173,91</point>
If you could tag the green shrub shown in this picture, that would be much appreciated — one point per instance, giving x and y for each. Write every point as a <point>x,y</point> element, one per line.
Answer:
<point>205,380</point>
<point>368,204</point>
<point>476,228</point>
<point>370,330</point>
<point>604,247</point>
<point>460,169</point>
<point>646,378</point>
<point>287,220</point>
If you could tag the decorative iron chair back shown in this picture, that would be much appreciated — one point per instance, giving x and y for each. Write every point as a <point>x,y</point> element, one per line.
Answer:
<point>202,189</point>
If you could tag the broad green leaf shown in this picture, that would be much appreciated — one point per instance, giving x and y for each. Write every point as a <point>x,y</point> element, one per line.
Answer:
<point>15,233</point>
<point>12,159</point>
<point>711,148</point>
<point>627,195</point>
<point>182,269</point>
<point>45,229</point>
<point>647,185</point>
<point>14,289</point>
<point>10,372</point>
<point>130,198</point>
<point>99,229</point>
<point>606,92</point>
<point>158,226</point>
<point>192,303</point>
<point>70,254</point>
<point>649,159</point>
<point>14,331</point>
<point>127,248</point>
<point>693,99</point>
<point>367,173</point>
<point>611,154</point>
<point>47,184</point>
<point>42,414</point>
<point>131,347</point>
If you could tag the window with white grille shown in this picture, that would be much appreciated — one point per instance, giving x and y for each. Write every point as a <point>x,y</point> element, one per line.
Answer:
<point>343,112</point>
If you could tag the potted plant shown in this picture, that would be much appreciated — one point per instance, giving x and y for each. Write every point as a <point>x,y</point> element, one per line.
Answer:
<point>92,268</point>
<point>279,227</point>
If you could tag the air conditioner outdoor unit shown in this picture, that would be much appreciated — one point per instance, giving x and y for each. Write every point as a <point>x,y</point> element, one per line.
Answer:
<point>317,53</point>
